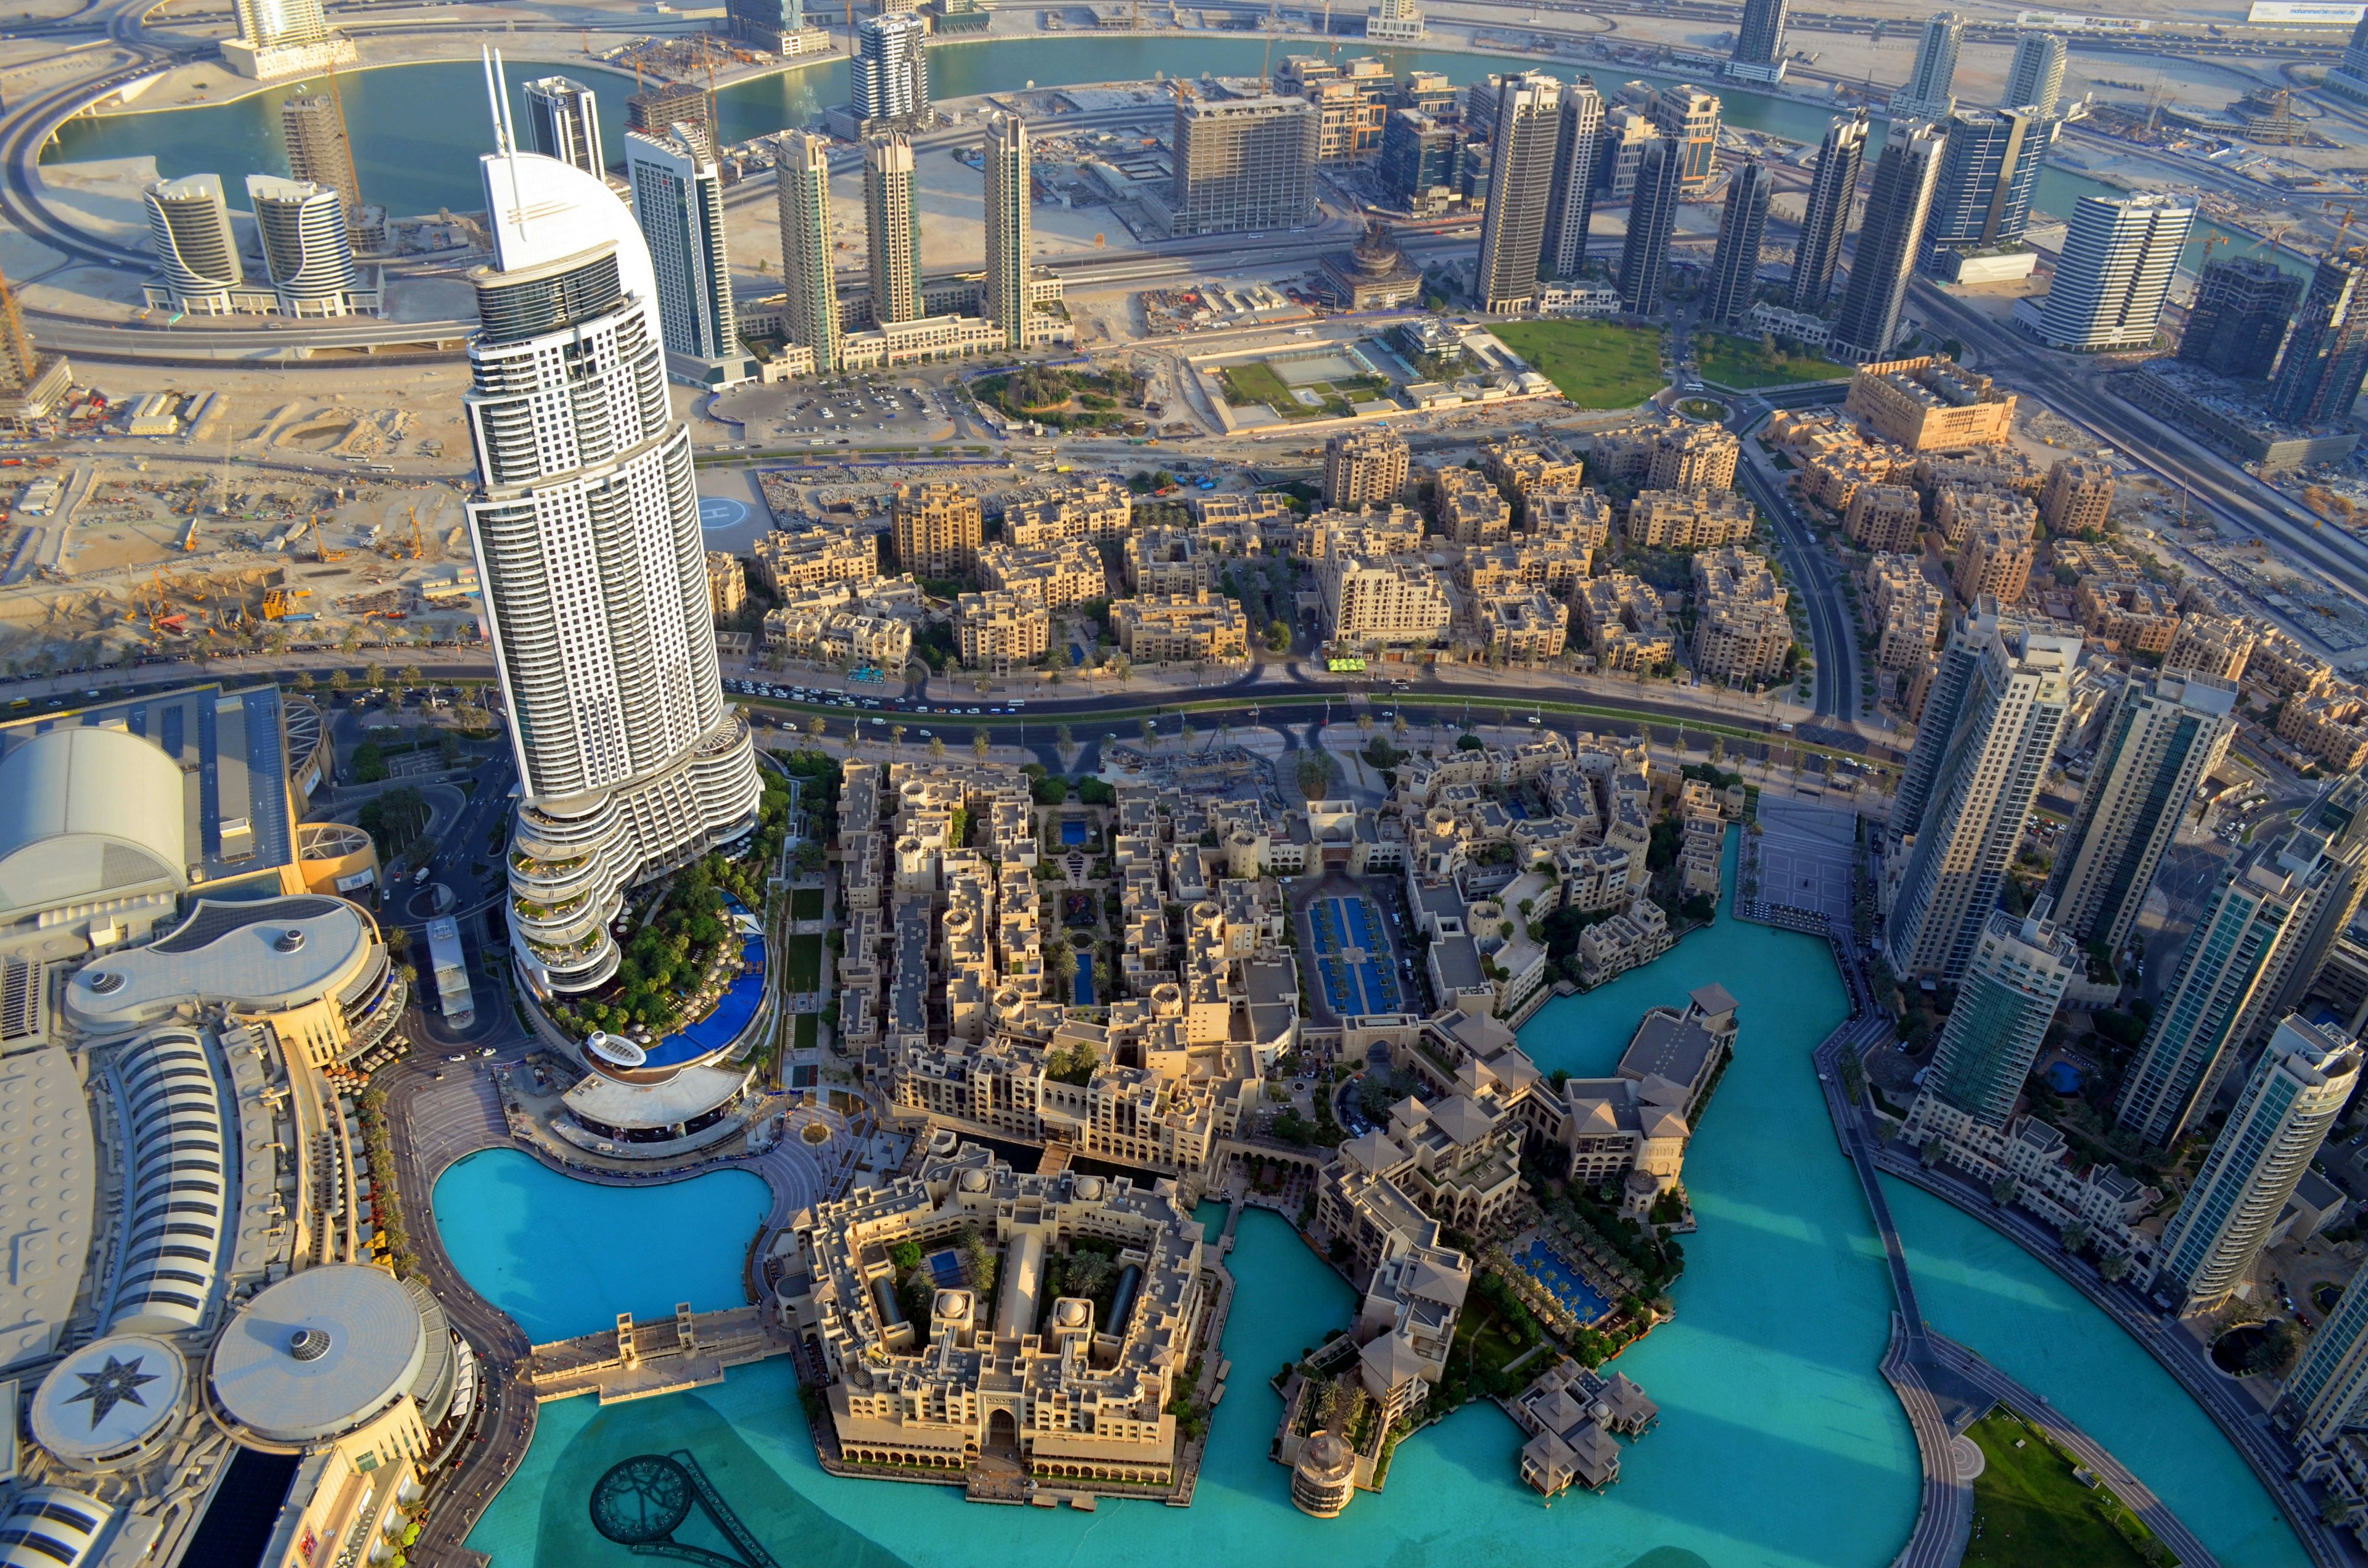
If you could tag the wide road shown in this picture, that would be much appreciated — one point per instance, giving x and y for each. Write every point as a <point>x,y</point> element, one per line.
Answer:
<point>1831,638</point>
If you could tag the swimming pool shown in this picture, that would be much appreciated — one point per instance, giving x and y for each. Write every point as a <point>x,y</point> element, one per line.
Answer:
<point>1558,1279</point>
<point>1074,831</point>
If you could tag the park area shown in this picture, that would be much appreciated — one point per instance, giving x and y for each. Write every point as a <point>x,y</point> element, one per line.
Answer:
<point>1594,364</point>
<point>1749,363</point>
<point>1319,385</point>
<point>2032,1511</point>
<point>803,958</point>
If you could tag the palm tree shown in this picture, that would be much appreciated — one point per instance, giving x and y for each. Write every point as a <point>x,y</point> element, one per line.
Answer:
<point>937,748</point>
<point>1150,735</point>
<point>817,729</point>
<point>1398,727</point>
<point>1062,737</point>
<point>896,735</point>
<point>978,744</point>
<point>1184,735</point>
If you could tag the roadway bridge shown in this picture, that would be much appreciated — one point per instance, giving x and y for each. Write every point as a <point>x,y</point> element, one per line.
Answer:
<point>642,1360</point>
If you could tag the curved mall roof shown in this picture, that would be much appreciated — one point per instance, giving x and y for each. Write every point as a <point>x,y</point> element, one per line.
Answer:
<point>88,812</point>
<point>110,1400</point>
<point>266,954</point>
<point>319,1353</point>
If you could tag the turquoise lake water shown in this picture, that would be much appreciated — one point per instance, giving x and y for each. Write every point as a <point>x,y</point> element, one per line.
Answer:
<point>418,129</point>
<point>1779,1444</point>
<point>564,1257</point>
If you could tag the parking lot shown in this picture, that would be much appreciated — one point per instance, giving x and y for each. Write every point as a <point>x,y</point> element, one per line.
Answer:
<point>863,413</point>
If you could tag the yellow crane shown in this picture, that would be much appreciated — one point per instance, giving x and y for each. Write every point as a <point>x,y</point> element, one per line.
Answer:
<point>321,552</point>
<point>418,547</point>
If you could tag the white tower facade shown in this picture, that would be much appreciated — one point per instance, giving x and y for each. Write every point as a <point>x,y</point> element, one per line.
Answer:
<point>1929,92</point>
<point>585,527</point>
<point>2119,255</point>
<point>678,201</point>
<point>563,121</point>
<point>2034,79</point>
<point>802,193</point>
<point>196,254</point>
<point>1008,191</point>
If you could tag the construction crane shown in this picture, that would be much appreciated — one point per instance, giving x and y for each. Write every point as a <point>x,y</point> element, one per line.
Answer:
<point>321,552</point>
<point>418,547</point>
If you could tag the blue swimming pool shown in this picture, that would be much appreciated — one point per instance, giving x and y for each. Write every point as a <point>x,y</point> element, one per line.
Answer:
<point>1084,978</point>
<point>733,1011</point>
<point>1074,831</point>
<point>1558,1279</point>
<point>2065,1078</point>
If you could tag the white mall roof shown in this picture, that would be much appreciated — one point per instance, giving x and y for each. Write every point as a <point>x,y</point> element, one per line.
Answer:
<point>270,954</point>
<point>48,1186</point>
<point>375,1345</point>
<point>111,1395</point>
<point>85,813</point>
<point>692,1091</point>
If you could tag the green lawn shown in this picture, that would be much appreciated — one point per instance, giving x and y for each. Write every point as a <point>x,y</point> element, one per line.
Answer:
<point>806,904</point>
<point>804,959</point>
<point>1255,381</point>
<point>1596,365</point>
<point>807,1025</point>
<point>1744,364</point>
<point>2029,1511</point>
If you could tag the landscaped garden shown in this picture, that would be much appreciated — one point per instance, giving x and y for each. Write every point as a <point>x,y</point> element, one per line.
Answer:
<point>1257,382</point>
<point>1061,400</point>
<point>1749,363</point>
<point>1593,363</point>
<point>2032,1511</point>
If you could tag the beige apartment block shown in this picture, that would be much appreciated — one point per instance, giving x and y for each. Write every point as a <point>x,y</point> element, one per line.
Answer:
<point>836,625</point>
<point>936,528</point>
<point>1742,630</point>
<point>1469,508</point>
<point>1904,610</point>
<point>1517,467</point>
<point>2280,667</point>
<point>1960,513</point>
<point>1885,517</point>
<point>1665,454</point>
<point>1626,625</point>
<point>1368,467</point>
<point>1171,561</point>
<point>2331,725</point>
<point>2003,469</point>
<point>2078,495</point>
<point>1370,531</point>
<point>1387,599</point>
<point>1995,562</point>
<point>727,583</point>
<point>2206,644</point>
<point>1000,631</point>
<point>1057,575</point>
<point>1690,519</point>
<point>1525,563</point>
<point>1180,629</point>
<point>1931,404</point>
<point>1524,627</point>
<point>1095,509</point>
<point>1253,512</point>
<point>2131,616</point>
<point>1578,516</point>
<point>1834,479</point>
<point>787,559</point>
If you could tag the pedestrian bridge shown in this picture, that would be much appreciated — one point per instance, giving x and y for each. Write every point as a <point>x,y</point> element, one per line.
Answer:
<point>641,1360</point>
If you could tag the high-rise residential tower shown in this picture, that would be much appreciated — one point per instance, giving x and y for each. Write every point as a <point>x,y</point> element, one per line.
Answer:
<point>1521,185</point>
<point>196,254</point>
<point>584,523</point>
<point>1008,191</point>
<point>2327,355</point>
<point>802,193</point>
<point>279,38</point>
<point>1735,265</point>
<point>655,111</point>
<point>2164,738</point>
<point>1895,212</point>
<point>1826,219</point>
<point>777,27</point>
<point>2325,1393</point>
<point>891,228</point>
<point>1393,21</point>
<point>1243,165</point>
<point>1689,116</point>
<point>1928,93</point>
<point>2119,255</point>
<point>2331,835</point>
<point>312,129</point>
<point>2260,1156</point>
<point>2012,986</point>
<point>678,201</point>
<point>305,251</point>
<point>1570,209</point>
<point>2008,716</point>
<point>2034,78</point>
<point>1759,42</point>
<point>1652,218</point>
<point>2240,314</point>
<point>1982,196</point>
<point>563,121</point>
<point>888,77</point>
<point>2349,77</point>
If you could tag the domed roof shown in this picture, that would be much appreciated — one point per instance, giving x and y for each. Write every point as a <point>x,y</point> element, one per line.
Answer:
<point>319,1353</point>
<point>1072,1313</point>
<point>109,1399</point>
<point>974,1181</point>
<point>86,812</point>
<point>1328,1457</point>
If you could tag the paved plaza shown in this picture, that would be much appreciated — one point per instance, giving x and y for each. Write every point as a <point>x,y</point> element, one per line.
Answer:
<point>1806,853</point>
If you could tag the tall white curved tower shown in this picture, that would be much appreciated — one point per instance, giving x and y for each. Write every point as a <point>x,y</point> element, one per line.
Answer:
<point>586,525</point>
<point>305,250</point>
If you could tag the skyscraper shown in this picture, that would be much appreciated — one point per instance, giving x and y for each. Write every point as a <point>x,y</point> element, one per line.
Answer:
<point>563,121</point>
<point>1393,21</point>
<point>1826,219</point>
<point>1007,195</point>
<point>2327,355</point>
<point>1759,42</point>
<point>1652,217</point>
<point>891,229</point>
<point>1929,92</point>
<point>2008,719</point>
<point>2350,78</point>
<point>2012,985</point>
<point>801,191</point>
<point>1689,116</point>
<point>2242,307</point>
<point>306,252</point>
<point>1570,209</point>
<point>2325,1393</point>
<point>774,26</point>
<point>678,201</point>
<point>2119,254</point>
<point>312,129</point>
<point>1982,196</point>
<point>1243,165</point>
<point>189,228</point>
<point>2034,79</point>
<point>888,77</point>
<point>2165,737</point>
<point>585,524</point>
<point>2279,1122</point>
<point>2331,835</point>
<point>1521,184</point>
<point>1735,267</point>
<point>284,38</point>
<point>1895,211</point>
<point>655,111</point>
